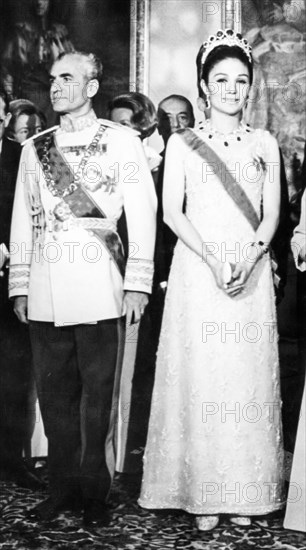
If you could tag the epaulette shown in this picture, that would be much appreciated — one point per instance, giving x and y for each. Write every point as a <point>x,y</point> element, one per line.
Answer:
<point>117,126</point>
<point>37,136</point>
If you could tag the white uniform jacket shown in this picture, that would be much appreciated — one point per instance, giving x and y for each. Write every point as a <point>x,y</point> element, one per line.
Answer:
<point>67,273</point>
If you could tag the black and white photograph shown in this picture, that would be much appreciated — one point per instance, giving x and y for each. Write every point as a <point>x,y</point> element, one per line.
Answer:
<point>152,274</point>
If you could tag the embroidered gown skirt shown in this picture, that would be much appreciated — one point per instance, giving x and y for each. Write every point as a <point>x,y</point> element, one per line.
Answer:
<point>215,438</point>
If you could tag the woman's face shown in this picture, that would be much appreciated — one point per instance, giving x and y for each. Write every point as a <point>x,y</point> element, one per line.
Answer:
<point>122,116</point>
<point>41,7</point>
<point>228,86</point>
<point>26,126</point>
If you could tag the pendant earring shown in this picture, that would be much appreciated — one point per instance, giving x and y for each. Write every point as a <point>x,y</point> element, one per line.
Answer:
<point>207,102</point>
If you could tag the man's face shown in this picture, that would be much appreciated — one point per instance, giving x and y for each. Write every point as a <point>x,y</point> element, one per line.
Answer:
<point>173,114</point>
<point>68,90</point>
<point>4,118</point>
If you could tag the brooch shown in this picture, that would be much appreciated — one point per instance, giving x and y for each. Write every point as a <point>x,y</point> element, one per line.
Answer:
<point>62,211</point>
<point>259,163</point>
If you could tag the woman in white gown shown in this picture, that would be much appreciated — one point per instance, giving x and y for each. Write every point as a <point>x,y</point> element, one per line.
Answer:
<point>215,438</point>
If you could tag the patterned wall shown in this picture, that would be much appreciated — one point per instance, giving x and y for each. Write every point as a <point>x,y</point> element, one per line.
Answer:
<point>277,33</point>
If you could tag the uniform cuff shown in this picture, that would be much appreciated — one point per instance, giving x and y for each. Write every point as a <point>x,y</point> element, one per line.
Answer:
<point>19,280</point>
<point>139,275</point>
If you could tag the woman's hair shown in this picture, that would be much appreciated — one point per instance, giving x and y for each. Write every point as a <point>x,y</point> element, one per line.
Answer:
<point>43,119</point>
<point>215,56</point>
<point>144,118</point>
<point>20,107</point>
<point>94,67</point>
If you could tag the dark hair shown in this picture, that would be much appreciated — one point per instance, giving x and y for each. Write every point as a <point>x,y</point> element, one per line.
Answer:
<point>144,118</point>
<point>5,99</point>
<point>219,54</point>
<point>17,108</point>
<point>94,64</point>
<point>43,119</point>
<point>182,98</point>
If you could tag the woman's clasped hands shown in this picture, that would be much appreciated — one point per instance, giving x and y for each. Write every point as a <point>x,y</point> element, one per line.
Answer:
<point>231,278</point>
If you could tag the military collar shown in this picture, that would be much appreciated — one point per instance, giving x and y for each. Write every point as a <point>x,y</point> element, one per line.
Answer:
<point>118,126</point>
<point>69,124</point>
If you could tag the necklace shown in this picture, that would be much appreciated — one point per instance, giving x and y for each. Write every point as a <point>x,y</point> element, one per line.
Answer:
<point>235,135</point>
<point>89,151</point>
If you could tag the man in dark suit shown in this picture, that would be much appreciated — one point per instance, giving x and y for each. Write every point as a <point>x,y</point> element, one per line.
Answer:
<point>174,112</point>
<point>15,353</point>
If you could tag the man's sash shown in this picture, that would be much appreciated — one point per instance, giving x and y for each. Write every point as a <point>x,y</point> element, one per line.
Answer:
<point>81,204</point>
<point>219,168</point>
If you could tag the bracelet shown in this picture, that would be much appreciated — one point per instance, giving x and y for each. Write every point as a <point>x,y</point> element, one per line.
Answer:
<point>264,247</point>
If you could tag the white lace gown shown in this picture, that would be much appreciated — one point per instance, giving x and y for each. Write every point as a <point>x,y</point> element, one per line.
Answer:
<point>215,438</point>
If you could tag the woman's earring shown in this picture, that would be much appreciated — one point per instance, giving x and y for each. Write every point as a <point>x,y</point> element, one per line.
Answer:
<point>205,91</point>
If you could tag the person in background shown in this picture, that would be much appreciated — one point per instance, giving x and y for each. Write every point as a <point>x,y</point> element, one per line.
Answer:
<point>218,349</point>
<point>15,352</point>
<point>137,111</point>
<point>75,305</point>
<point>295,517</point>
<point>26,120</point>
<point>174,112</point>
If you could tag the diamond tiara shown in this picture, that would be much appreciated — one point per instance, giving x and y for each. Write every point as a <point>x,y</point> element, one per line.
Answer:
<point>226,37</point>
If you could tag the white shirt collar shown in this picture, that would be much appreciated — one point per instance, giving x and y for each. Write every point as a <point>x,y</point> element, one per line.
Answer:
<point>69,124</point>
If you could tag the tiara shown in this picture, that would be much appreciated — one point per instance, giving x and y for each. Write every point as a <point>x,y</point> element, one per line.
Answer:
<point>228,37</point>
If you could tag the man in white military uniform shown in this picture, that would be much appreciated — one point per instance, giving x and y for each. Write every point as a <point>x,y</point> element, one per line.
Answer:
<point>68,278</point>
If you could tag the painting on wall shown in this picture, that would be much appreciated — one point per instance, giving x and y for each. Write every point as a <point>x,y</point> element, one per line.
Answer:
<point>34,32</point>
<point>276,32</point>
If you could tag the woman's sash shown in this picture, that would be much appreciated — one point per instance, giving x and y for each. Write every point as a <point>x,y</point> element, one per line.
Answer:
<point>219,168</point>
<point>81,204</point>
<point>233,189</point>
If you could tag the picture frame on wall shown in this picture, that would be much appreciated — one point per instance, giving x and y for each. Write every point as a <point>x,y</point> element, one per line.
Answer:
<point>220,13</point>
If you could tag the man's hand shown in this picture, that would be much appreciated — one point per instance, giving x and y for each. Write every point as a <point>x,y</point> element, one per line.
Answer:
<point>135,303</point>
<point>302,254</point>
<point>4,255</point>
<point>21,308</point>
